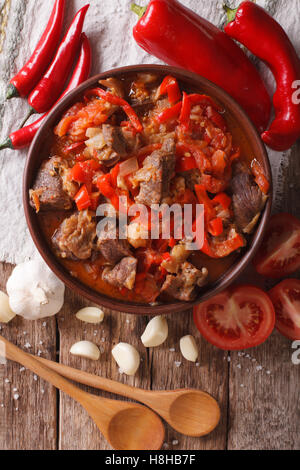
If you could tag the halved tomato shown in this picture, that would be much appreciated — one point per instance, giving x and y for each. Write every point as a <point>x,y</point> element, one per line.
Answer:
<point>240,317</point>
<point>286,300</point>
<point>279,254</point>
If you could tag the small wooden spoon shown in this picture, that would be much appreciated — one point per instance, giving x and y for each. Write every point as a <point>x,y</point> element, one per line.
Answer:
<point>125,425</point>
<point>190,412</point>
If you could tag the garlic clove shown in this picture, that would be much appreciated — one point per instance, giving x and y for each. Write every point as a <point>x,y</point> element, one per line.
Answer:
<point>86,349</point>
<point>127,358</point>
<point>156,332</point>
<point>90,315</point>
<point>188,348</point>
<point>6,313</point>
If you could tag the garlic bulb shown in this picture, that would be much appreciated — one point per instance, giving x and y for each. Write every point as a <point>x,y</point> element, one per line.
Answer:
<point>34,291</point>
<point>155,333</point>
<point>127,358</point>
<point>90,315</point>
<point>86,349</point>
<point>188,348</point>
<point>6,313</point>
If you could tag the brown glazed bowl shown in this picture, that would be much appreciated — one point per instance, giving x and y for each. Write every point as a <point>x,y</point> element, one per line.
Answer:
<point>39,151</point>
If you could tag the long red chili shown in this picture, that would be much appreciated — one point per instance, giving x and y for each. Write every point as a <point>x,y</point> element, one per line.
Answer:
<point>50,86</point>
<point>26,79</point>
<point>265,38</point>
<point>23,137</point>
<point>180,37</point>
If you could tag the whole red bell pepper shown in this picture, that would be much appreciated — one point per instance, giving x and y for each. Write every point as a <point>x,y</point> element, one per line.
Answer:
<point>178,36</point>
<point>263,36</point>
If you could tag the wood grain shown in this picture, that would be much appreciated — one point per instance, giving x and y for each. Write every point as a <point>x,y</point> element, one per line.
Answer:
<point>31,421</point>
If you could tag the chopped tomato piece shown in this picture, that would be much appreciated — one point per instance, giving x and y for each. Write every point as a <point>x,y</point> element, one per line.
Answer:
<point>82,198</point>
<point>223,199</point>
<point>83,172</point>
<point>286,300</point>
<point>240,317</point>
<point>279,254</point>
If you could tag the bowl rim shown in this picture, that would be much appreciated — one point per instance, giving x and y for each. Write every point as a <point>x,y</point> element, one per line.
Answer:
<point>97,297</point>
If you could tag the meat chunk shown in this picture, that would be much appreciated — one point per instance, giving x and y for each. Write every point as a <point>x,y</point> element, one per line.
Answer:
<point>111,247</point>
<point>52,190</point>
<point>114,85</point>
<point>123,274</point>
<point>156,174</point>
<point>247,198</point>
<point>179,254</point>
<point>75,237</point>
<point>183,285</point>
<point>114,139</point>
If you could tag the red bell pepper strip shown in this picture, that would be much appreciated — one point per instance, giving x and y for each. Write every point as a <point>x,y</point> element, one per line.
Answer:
<point>83,172</point>
<point>204,49</point>
<point>73,147</point>
<point>215,227</point>
<point>185,164</point>
<point>82,199</point>
<point>203,198</point>
<point>170,86</point>
<point>116,100</point>
<point>264,37</point>
<point>23,137</point>
<point>185,113</point>
<point>169,113</point>
<point>114,173</point>
<point>223,199</point>
<point>50,86</point>
<point>260,177</point>
<point>203,100</point>
<point>27,78</point>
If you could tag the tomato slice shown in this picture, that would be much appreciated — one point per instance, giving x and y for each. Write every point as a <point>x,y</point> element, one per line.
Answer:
<point>279,254</point>
<point>240,317</point>
<point>286,300</point>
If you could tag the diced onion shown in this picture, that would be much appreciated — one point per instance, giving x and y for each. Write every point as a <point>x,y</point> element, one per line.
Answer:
<point>93,131</point>
<point>128,167</point>
<point>96,142</point>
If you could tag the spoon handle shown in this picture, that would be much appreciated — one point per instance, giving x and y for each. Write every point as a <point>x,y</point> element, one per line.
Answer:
<point>13,353</point>
<point>95,381</point>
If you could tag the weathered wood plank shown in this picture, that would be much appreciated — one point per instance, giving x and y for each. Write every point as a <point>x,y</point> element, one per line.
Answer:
<point>30,421</point>
<point>77,430</point>
<point>265,404</point>
<point>210,375</point>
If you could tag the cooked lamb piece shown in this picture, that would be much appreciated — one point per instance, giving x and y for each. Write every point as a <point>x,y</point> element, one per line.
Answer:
<point>156,174</point>
<point>114,85</point>
<point>192,177</point>
<point>248,200</point>
<point>183,285</point>
<point>133,141</point>
<point>52,190</point>
<point>123,274</point>
<point>111,247</point>
<point>75,237</point>
<point>114,139</point>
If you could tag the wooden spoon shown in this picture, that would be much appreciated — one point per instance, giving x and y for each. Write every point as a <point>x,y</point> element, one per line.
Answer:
<point>125,425</point>
<point>190,412</point>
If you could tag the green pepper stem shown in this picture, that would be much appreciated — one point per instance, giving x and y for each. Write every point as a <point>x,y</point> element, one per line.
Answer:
<point>7,144</point>
<point>140,11</point>
<point>30,113</point>
<point>230,12</point>
<point>12,92</point>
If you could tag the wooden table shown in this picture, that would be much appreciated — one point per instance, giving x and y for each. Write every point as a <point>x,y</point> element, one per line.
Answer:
<point>258,390</point>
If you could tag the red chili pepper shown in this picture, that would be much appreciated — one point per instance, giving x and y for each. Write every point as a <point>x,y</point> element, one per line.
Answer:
<point>116,100</point>
<point>170,86</point>
<point>50,86</point>
<point>265,38</point>
<point>204,49</point>
<point>82,198</point>
<point>26,79</point>
<point>23,137</point>
<point>169,113</point>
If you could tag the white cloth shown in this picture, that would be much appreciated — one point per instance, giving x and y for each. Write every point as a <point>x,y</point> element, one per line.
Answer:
<point>108,25</point>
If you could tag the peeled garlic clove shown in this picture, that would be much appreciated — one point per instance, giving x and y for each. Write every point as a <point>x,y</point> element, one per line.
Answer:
<point>127,358</point>
<point>155,333</point>
<point>85,349</point>
<point>90,315</point>
<point>188,348</point>
<point>6,313</point>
